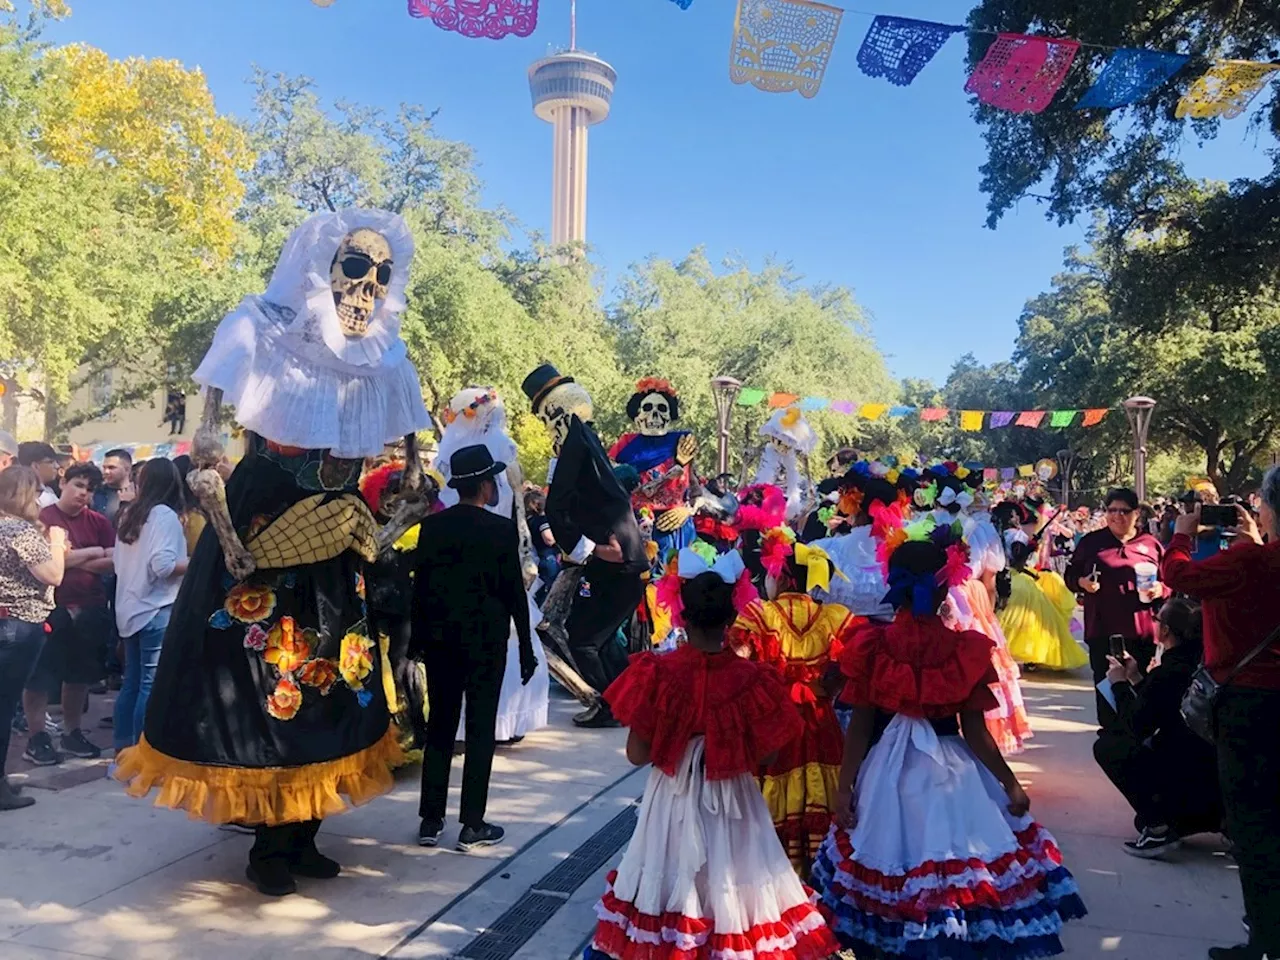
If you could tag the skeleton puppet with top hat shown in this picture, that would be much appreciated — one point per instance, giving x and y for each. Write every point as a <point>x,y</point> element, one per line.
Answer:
<point>592,519</point>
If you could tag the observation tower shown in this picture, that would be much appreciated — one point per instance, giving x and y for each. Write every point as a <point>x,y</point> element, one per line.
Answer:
<point>572,91</point>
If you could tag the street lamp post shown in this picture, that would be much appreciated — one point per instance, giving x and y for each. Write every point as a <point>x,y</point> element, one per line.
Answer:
<point>1066,463</point>
<point>725,390</point>
<point>1138,411</point>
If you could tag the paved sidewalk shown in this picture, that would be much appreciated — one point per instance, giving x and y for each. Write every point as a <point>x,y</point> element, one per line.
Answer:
<point>87,872</point>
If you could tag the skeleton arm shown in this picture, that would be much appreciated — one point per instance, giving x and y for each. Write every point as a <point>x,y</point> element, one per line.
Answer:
<point>515,476</point>
<point>411,503</point>
<point>206,483</point>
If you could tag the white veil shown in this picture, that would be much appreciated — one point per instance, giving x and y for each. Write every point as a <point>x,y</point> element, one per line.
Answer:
<point>479,417</point>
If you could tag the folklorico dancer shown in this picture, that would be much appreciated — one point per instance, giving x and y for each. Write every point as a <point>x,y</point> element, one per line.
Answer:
<point>704,874</point>
<point>268,707</point>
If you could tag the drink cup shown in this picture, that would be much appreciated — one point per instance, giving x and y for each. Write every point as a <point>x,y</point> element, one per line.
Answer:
<point>1146,574</point>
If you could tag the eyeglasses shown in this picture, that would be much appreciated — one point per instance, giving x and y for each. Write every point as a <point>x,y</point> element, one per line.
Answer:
<point>1120,512</point>
<point>356,266</point>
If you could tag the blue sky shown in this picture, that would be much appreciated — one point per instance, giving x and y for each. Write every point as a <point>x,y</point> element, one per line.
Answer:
<point>868,185</point>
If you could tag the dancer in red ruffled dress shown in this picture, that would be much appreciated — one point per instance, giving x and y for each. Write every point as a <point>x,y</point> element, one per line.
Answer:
<point>934,853</point>
<point>705,877</point>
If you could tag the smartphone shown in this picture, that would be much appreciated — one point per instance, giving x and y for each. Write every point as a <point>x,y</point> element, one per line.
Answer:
<point>1219,515</point>
<point>1117,646</point>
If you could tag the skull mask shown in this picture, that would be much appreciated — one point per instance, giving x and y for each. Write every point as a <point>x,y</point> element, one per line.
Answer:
<point>359,277</point>
<point>654,418</point>
<point>560,406</point>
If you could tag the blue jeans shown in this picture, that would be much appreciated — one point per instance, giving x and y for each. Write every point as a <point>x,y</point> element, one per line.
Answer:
<point>20,644</point>
<point>141,656</point>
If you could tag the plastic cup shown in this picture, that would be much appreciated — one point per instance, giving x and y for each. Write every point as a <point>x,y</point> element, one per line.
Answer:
<point>1146,574</point>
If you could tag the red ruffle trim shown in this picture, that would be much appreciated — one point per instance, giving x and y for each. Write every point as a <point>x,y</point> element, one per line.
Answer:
<point>742,709</point>
<point>611,937</point>
<point>1033,846</point>
<point>919,667</point>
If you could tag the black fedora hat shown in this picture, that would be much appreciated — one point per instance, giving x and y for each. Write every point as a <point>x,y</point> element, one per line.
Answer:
<point>473,463</point>
<point>542,381</point>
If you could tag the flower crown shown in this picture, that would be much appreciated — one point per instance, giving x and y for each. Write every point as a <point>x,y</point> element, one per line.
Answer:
<point>769,512</point>
<point>777,546</point>
<point>471,410</point>
<point>656,385</point>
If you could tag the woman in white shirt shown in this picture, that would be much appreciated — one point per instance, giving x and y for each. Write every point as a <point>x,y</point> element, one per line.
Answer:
<point>150,559</point>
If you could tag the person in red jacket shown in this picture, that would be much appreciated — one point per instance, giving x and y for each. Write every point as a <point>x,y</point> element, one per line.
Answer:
<point>1238,593</point>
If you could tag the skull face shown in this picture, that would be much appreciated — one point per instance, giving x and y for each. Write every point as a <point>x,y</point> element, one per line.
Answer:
<point>559,408</point>
<point>654,418</point>
<point>359,277</point>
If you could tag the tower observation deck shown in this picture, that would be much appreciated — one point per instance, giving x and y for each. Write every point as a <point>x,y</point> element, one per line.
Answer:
<point>571,91</point>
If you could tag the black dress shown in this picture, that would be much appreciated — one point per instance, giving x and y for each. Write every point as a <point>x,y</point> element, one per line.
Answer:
<point>268,704</point>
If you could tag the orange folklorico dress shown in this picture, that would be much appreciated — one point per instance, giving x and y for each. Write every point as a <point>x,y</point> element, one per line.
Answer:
<point>801,638</point>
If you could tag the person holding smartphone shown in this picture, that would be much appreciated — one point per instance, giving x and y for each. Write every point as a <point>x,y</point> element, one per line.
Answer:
<point>1115,572</point>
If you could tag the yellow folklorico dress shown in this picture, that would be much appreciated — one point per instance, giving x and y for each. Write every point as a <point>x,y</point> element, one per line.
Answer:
<point>801,637</point>
<point>1037,622</point>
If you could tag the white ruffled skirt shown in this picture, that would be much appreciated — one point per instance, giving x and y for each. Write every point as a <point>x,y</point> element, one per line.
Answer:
<point>706,877</point>
<point>522,708</point>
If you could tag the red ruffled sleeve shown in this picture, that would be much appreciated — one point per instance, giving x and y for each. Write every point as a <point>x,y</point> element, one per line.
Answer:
<point>752,717</point>
<point>754,636</point>
<point>632,697</point>
<point>918,667</point>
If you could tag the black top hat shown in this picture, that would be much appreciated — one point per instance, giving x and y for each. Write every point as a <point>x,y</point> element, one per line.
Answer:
<point>542,381</point>
<point>473,463</point>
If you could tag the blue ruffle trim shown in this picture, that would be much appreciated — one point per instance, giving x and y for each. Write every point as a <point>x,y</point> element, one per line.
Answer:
<point>1025,932</point>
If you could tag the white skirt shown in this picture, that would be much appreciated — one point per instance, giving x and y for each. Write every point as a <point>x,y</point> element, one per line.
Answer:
<point>522,708</point>
<point>935,855</point>
<point>705,873</point>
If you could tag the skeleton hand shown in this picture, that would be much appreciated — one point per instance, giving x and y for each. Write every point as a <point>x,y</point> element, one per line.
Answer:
<point>207,485</point>
<point>206,445</point>
<point>686,449</point>
<point>673,519</point>
<point>411,503</point>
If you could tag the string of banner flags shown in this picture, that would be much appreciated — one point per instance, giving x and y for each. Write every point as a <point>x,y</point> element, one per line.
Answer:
<point>784,46</point>
<point>969,420</point>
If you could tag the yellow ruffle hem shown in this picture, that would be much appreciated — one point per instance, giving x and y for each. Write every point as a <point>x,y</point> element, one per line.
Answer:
<point>263,795</point>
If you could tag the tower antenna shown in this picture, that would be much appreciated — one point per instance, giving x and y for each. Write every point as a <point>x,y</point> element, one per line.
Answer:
<point>573,24</point>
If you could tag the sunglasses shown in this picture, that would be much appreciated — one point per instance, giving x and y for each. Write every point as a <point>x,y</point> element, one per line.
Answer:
<point>356,266</point>
<point>1120,512</point>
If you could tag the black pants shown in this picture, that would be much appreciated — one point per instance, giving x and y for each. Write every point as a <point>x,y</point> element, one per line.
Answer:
<point>1142,650</point>
<point>1177,788</point>
<point>601,607</point>
<point>1249,770</point>
<point>284,842</point>
<point>20,644</point>
<point>459,664</point>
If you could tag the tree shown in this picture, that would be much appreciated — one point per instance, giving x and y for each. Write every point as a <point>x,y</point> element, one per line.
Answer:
<point>688,322</point>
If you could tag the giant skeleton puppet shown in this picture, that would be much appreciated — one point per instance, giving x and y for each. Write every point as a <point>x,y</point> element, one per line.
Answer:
<point>661,456</point>
<point>592,520</point>
<point>268,707</point>
<point>789,440</point>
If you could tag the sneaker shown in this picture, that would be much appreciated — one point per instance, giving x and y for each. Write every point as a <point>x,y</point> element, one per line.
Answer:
<point>40,751</point>
<point>429,833</point>
<point>99,689</point>
<point>11,797</point>
<point>485,835</point>
<point>1151,845</point>
<point>52,724</point>
<point>77,744</point>
<point>19,724</point>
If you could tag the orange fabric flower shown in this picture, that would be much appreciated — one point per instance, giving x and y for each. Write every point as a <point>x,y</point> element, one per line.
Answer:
<point>285,701</point>
<point>356,660</point>
<point>851,502</point>
<point>287,646</point>
<point>250,603</point>
<point>321,674</point>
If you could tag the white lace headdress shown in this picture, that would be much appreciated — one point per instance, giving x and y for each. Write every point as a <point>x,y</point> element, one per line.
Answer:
<point>282,361</point>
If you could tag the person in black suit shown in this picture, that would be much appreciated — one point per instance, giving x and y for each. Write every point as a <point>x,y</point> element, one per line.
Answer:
<point>468,587</point>
<point>592,519</point>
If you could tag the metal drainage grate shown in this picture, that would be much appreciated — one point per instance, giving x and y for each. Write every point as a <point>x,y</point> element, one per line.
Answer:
<point>570,873</point>
<point>512,930</point>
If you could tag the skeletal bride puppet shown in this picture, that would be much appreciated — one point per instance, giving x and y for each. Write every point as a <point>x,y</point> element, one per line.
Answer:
<point>268,707</point>
<point>788,438</point>
<point>662,457</point>
<point>476,416</point>
<point>591,517</point>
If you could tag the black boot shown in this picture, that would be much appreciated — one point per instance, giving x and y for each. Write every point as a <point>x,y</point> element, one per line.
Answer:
<point>305,860</point>
<point>269,861</point>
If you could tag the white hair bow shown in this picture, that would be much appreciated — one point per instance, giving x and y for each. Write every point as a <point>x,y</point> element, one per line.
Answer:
<point>728,566</point>
<point>949,496</point>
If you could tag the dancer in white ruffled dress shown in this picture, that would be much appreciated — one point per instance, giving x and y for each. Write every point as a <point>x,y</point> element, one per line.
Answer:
<point>477,416</point>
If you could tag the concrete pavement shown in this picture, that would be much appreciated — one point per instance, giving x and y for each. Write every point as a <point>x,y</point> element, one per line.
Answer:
<point>87,872</point>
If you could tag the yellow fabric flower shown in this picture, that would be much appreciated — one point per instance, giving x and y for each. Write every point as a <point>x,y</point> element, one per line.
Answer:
<point>408,540</point>
<point>287,646</point>
<point>356,660</point>
<point>320,673</point>
<point>285,701</point>
<point>250,603</point>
